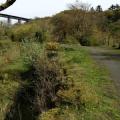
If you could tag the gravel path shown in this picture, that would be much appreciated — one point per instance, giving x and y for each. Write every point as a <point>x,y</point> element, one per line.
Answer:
<point>111,59</point>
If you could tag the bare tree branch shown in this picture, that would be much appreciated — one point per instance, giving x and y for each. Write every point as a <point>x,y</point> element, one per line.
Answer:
<point>79,6</point>
<point>7,4</point>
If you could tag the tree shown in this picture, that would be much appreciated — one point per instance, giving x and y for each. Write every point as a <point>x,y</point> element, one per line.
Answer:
<point>75,23</point>
<point>99,8</point>
<point>114,7</point>
<point>115,32</point>
<point>92,9</point>
<point>113,15</point>
<point>117,6</point>
<point>7,4</point>
<point>79,6</point>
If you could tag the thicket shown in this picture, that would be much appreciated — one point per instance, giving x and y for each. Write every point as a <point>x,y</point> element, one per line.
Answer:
<point>80,24</point>
<point>37,30</point>
<point>44,78</point>
<point>87,25</point>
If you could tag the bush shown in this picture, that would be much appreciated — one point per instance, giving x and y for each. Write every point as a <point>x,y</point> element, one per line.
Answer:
<point>85,41</point>
<point>30,50</point>
<point>40,36</point>
<point>40,92</point>
<point>36,29</point>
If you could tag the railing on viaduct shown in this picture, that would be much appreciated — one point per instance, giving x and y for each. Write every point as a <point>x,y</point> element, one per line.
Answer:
<point>10,17</point>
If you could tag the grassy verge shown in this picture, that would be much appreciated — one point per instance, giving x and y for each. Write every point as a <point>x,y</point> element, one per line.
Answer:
<point>91,96</point>
<point>8,85</point>
<point>7,92</point>
<point>12,64</point>
<point>98,99</point>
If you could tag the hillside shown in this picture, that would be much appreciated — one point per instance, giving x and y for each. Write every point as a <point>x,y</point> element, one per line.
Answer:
<point>47,73</point>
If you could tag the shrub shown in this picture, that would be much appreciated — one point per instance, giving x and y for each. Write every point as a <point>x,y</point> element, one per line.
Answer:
<point>36,29</point>
<point>84,40</point>
<point>40,92</point>
<point>30,50</point>
<point>40,36</point>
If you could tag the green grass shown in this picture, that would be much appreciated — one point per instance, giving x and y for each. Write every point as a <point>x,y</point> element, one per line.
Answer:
<point>10,71</point>
<point>97,91</point>
<point>9,84</point>
<point>8,89</point>
<point>16,66</point>
<point>98,99</point>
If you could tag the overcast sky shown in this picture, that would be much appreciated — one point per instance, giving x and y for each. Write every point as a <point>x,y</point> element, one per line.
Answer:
<point>42,8</point>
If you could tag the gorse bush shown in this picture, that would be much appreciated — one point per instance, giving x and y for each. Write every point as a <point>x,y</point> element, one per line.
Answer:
<point>4,31</point>
<point>40,92</point>
<point>52,46</point>
<point>52,50</point>
<point>30,51</point>
<point>36,29</point>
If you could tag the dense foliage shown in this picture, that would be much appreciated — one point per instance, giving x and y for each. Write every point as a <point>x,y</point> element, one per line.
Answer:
<point>88,26</point>
<point>80,24</point>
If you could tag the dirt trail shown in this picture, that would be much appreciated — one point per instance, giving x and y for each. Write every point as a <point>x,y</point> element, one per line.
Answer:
<point>111,59</point>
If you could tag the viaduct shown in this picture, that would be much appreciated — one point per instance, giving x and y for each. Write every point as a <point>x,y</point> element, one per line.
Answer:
<point>10,17</point>
<point>7,4</point>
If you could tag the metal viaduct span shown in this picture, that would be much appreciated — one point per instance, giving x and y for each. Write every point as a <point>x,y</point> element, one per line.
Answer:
<point>10,17</point>
<point>7,4</point>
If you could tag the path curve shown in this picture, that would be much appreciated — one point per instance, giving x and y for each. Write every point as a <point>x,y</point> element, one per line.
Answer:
<point>111,59</point>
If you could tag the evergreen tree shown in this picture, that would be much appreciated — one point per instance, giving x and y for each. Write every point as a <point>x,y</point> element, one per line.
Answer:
<point>92,9</point>
<point>99,8</point>
<point>112,7</point>
<point>117,6</point>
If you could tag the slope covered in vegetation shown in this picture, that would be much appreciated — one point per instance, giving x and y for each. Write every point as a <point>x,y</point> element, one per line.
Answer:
<point>45,73</point>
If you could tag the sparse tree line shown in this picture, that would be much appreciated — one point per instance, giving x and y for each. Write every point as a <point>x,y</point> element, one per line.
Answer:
<point>87,25</point>
<point>80,23</point>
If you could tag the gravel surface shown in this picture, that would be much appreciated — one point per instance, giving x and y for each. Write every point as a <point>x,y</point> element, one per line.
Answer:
<point>111,59</point>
